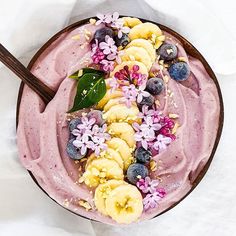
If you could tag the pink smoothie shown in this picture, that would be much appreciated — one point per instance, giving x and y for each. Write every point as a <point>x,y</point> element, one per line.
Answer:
<point>43,130</point>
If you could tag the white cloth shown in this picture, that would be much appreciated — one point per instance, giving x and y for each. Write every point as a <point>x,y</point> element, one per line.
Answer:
<point>210,25</point>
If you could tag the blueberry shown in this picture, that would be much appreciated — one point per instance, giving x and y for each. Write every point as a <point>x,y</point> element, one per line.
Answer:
<point>136,171</point>
<point>123,41</point>
<point>148,101</point>
<point>179,71</point>
<point>72,151</point>
<point>97,115</point>
<point>167,52</point>
<point>142,155</point>
<point>155,86</point>
<point>73,124</point>
<point>100,34</point>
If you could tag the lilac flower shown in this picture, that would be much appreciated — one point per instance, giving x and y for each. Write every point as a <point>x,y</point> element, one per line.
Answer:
<point>108,46</point>
<point>99,146</point>
<point>82,143</point>
<point>151,200</point>
<point>141,94</point>
<point>99,133</point>
<point>86,123</point>
<point>161,142</point>
<point>107,65</point>
<point>144,112</point>
<point>113,84</point>
<point>147,185</point>
<point>116,22</point>
<point>104,18</point>
<point>149,123</point>
<point>143,136</point>
<point>122,30</point>
<point>161,192</point>
<point>129,93</point>
<point>90,136</point>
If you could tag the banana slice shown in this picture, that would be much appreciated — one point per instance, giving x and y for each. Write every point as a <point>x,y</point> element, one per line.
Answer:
<point>124,204</point>
<point>143,43</point>
<point>130,64</point>
<point>109,154</point>
<point>137,54</point>
<point>103,191</point>
<point>109,95</point>
<point>112,103</point>
<point>131,21</point>
<point>145,31</point>
<point>100,170</point>
<point>121,112</point>
<point>124,131</point>
<point>122,147</point>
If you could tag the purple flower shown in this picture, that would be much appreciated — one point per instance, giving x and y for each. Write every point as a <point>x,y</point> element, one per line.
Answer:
<point>149,123</point>
<point>86,123</point>
<point>82,143</point>
<point>141,94</point>
<point>147,185</point>
<point>129,93</point>
<point>113,84</point>
<point>161,142</point>
<point>98,136</point>
<point>90,136</point>
<point>143,135</point>
<point>104,18</point>
<point>99,146</point>
<point>107,65</point>
<point>122,30</point>
<point>151,200</point>
<point>108,46</point>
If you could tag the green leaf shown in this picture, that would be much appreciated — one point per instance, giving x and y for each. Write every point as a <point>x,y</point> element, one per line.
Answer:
<point>91,88</point>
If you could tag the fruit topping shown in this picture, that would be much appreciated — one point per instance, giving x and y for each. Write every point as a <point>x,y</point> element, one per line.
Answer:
<point>167,52</point>
<point>142,155</point>
<point>123,41</point>
<point>124,204</point>
<point>155,86</point>
<point>72,151</point>
<point>100,34</point>
<point>135,172</point>
<point>147,101</point>
<point>179,71</point>
<point>73,124</point>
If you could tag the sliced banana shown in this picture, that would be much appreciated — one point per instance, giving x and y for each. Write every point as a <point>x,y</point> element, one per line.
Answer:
<point>143,43</point>
<point>110,154</point>
<point>111,103</point>
<point>142,68</point>
<point>137,54</point>
<point>131,21</point>
<point>103,191</point>
<point>124,131</point>
<point>100,170</point>
<point>109,95</point>
<point>120,113</point>
<point>124,204</point>
<point>145,31</point>
<point>122,147</point>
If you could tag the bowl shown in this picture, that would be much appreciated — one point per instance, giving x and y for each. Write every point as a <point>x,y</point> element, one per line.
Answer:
<point>190,49</point>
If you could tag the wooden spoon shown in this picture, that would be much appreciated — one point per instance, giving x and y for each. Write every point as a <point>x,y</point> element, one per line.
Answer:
<point>25,75</point>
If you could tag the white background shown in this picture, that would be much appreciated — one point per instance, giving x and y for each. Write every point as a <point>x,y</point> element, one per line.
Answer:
<point>210,209</point>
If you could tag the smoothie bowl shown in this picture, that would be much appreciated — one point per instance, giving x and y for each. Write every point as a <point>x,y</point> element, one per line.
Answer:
<point>133,126</point>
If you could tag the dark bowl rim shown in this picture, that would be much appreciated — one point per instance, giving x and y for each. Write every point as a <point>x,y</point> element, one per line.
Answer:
<point>189,48</point>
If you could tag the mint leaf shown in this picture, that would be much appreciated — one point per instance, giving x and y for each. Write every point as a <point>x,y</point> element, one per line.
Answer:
<point>91,88</point>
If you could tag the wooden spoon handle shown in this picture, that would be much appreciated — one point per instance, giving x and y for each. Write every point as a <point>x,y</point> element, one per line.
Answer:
<point>25,75</point>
